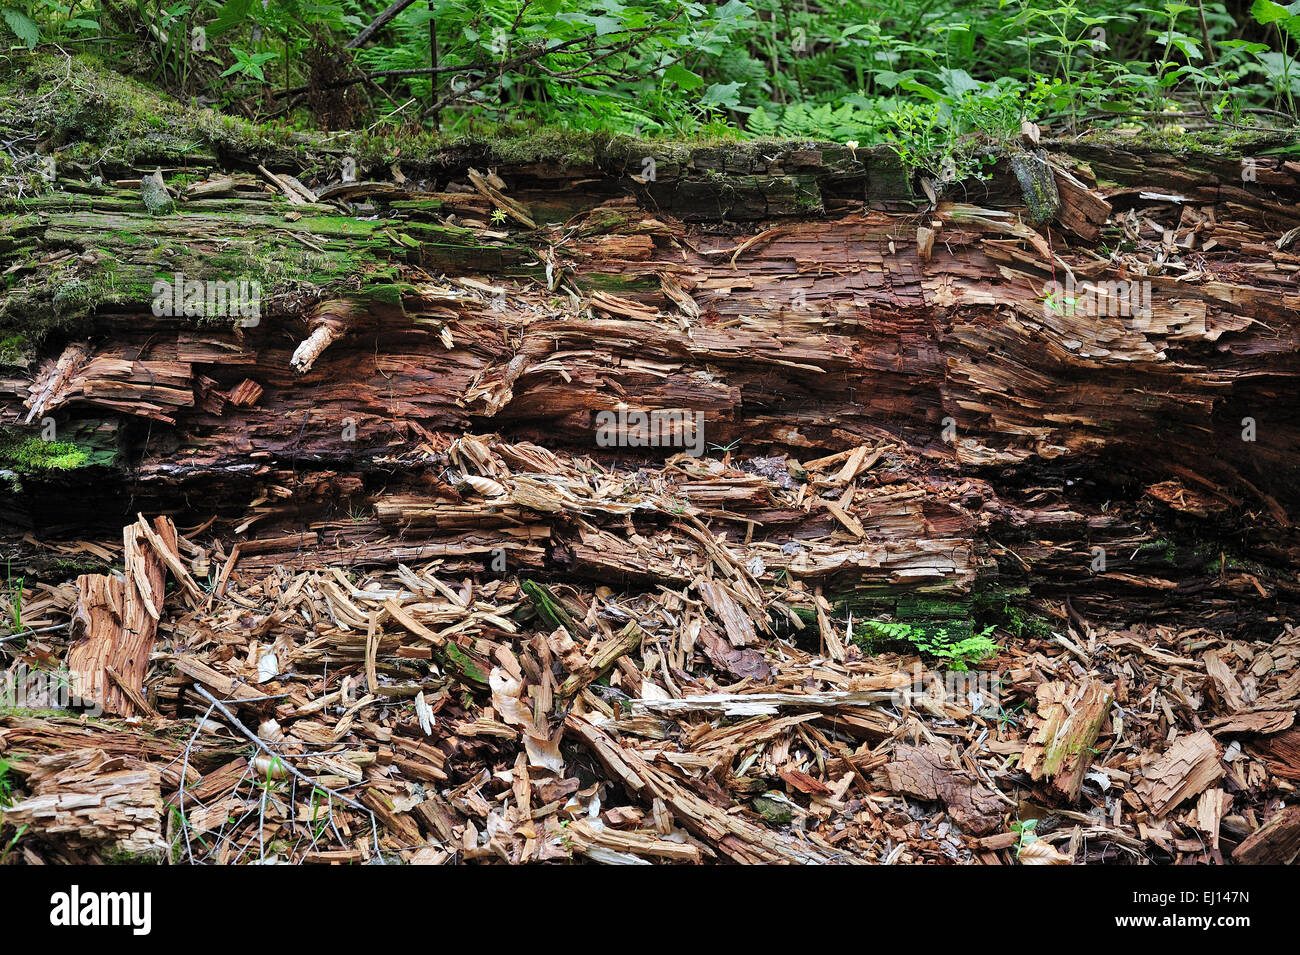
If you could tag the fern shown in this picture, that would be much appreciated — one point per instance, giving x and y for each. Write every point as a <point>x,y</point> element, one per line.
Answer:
<point>936,641</point>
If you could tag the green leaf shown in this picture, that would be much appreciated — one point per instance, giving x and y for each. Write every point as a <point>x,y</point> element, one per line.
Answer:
<point>684,78</point>
<point>24,28</point>
<point>231,15</point>
<point>721,95</point>
<point>1266,12</point>
<point>912,86</point>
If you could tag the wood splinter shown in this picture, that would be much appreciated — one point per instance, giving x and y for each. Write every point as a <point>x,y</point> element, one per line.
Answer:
<point>329,321</point>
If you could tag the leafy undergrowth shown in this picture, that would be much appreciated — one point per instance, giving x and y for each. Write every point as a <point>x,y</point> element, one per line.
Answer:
<point>553,79</point>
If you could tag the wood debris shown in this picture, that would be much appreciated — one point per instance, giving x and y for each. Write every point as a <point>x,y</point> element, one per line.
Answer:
<point>87,800</point>
<point>373,578</point>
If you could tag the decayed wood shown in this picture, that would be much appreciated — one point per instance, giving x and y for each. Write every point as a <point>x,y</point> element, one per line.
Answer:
<point>1277,842</point>
<point>607,845</point>
<point>806,337</point>
<point>1187,768</point>
<point>86,798</point>
<point>752,774</point>
<point>427,563</point>
<point>601,661</point>
<point>739,838</point>
<point>327,322</point>
<point>113,626</point>
<point>752,704</point>
<point>924,772</point>
<point>117,616</point>
<point>1069,718</point>
<point>1210,810</point>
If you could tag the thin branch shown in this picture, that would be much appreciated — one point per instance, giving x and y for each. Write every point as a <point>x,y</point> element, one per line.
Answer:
<point>378,24</point>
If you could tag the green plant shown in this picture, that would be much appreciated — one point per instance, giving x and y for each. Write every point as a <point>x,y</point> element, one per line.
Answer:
<point>1286,23</point>
<point>21,26</point>
<point>936,641</point>
<point>7,799</point>
<point>249,64</point>
<point>6,785</point>
<point>1007,717</point>
<point>9,846</point>
<point>1026,831</point>
<point>14,589</point>
<point>942,82</point>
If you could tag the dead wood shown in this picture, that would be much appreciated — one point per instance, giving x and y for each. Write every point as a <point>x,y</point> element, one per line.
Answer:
<point>420,550</point>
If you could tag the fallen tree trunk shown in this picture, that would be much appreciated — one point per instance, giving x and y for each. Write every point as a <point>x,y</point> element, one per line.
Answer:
<point>1019,434</point>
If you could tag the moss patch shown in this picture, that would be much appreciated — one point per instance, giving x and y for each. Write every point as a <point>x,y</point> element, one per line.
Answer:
<point>83,446</point>
<point>86,114</point>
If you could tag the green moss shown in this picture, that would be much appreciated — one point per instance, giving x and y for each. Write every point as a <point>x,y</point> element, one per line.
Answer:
<point>1216,143</point>
<point>460,661</point>
<point>120,253</point>
<point>79,446</point>
<point>617,283</point>
<point>32,455</point>
<point>33,713</point>
<point>774,809</point>
<point>67,568</point>
<point>1037,184</point>
<point>120,856</point>
<point>1004,607</point>
<point>15,348</point>
<point>385,294</point>
<point>86,113</point>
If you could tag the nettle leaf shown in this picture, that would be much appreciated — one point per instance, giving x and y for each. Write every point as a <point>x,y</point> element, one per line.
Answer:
<point>912,86</point>
<point>684,78</point>
<point>23,27</point>
<point>1183,43</point>
<point>1246,45</point>
<point>957,82</point>
<point>1266,12</point>
<point>1279,69</point>
<point>603,25</point>
<point>606,25</point>
<point>887,79</point>
<point>733,10</point>
<point>721,95</point>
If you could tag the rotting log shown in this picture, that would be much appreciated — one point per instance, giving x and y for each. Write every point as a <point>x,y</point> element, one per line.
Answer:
<point>806,301</point>
<point>401,519</point>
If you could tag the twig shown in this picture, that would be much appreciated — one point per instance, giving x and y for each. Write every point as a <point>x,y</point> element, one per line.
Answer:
<point>24,633</point>
<point>185,765</point>
<point>378,23</point>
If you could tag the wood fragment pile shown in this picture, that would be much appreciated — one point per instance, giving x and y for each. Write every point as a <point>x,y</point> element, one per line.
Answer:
<point>505,720</point>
